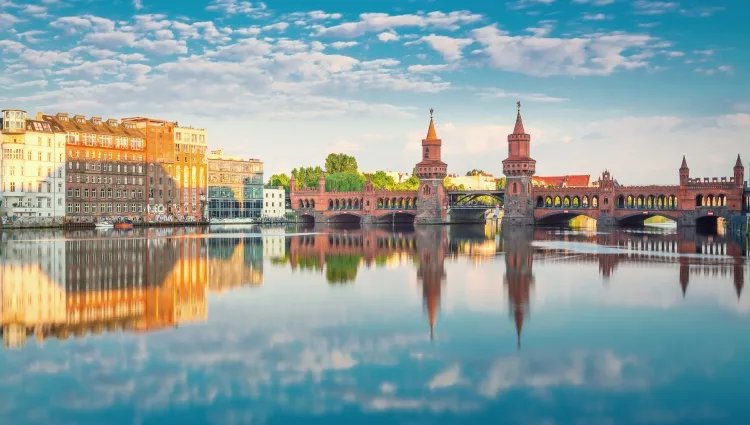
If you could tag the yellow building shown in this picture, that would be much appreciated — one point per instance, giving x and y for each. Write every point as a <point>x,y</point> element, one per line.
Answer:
<point>32,175</point>
<point>477,182</point>
<point>190,172</point>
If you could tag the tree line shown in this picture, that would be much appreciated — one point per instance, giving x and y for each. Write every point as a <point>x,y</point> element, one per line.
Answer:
<point>342,174</point>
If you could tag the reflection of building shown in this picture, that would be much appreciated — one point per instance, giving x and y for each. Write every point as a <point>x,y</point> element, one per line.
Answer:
<point>518,278</point>
<point>432,244</point>
<point>190,171</point>
<point>273,202</point>
<point>33,167</point>
<point>31,297</point>
<point>274,242</point>
<point>80,286</point>
<point>105,167</point>
<point>235,186</point>
<point>234,262</point>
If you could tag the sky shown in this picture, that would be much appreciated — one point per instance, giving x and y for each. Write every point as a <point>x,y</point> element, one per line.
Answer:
<point>624,85</point>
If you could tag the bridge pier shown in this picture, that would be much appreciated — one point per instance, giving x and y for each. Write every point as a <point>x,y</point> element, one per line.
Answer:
<point>606,221</point>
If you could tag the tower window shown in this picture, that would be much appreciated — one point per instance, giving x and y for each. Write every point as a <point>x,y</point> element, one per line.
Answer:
<point>426,190</point>
<point>426,153</point>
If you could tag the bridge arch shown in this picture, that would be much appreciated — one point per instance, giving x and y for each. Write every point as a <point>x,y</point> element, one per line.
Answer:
<point>401,217</point>
<point>345,217</point>
<point>562,217</point>
<point>306,218</point>
<point>637,218</point>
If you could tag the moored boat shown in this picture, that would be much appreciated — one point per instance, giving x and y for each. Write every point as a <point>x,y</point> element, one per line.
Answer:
<point>104,225</point>
<point>124,225</point>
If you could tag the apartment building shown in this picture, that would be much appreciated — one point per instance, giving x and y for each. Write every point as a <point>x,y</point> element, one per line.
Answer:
<point>273,202</point>
<point>32,172</point>
<point>104,168</point>
<point>235,186</point>
<point>190,173</point>
<point>160,186</point>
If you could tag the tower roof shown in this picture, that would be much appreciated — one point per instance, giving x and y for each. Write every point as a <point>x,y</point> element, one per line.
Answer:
<point>684,162</point>
<point>518,128</point>
<point>431,134</point>
<point>738,164</point>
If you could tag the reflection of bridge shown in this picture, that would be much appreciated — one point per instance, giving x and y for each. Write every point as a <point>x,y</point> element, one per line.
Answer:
<point>692,202</point>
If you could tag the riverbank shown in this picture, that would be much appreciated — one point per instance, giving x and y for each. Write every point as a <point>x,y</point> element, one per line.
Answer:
<point>58,224</point>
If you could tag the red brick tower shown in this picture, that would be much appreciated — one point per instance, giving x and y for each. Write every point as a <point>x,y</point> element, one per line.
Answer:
<point>684,172</point>
<point>518,168</point>
<point>431,170</point>
<point>431,270</point>
<point>518,278</point>
<point>739,172</point>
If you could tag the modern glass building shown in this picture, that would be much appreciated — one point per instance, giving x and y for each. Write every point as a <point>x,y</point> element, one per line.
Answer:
<point>235,186</point>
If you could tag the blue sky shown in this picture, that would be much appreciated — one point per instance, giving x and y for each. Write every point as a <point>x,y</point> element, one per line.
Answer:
<point>626,85</point>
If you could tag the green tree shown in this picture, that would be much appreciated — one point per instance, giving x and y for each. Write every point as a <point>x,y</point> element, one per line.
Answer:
<point>344,182</point>
<point>475,172</point>
<point>279,180</point>
<point>382,181</point>
<point>412,183</point>
<point>341,163</point>
<point>307,177</point>
<point>500,183</point>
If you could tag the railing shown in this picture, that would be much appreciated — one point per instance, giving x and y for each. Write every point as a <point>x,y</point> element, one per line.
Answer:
<point>396,207</point>
<point>471,206</point>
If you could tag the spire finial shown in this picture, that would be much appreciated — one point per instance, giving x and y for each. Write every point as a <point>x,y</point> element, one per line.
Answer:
<point>431,111</point>
<point>518,106</point>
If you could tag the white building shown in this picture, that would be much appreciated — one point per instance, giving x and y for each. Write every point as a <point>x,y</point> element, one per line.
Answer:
<point>32,169</point>
<point>273,202</point>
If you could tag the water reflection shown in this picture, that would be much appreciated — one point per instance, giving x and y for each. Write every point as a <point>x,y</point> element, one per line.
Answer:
<point>396,325</point>
<point>77,283</point>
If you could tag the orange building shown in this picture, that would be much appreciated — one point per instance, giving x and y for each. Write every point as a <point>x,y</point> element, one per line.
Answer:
<point>161,190</point>
<point>105,167</point>
<point>575,180</point>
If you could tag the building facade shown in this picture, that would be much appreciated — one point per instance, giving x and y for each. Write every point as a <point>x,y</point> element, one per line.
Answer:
<point>190,173</point>
<point>476,182</point>
<point>32,167</point>
<point>235,186</point>
<point>274,202</point>
<point>104,163</point>
<point>160,187</point>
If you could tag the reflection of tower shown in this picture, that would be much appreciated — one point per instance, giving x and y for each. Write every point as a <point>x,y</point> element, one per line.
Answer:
<point>431,243</point>
<point>686,244</point>
<point>518,277</point>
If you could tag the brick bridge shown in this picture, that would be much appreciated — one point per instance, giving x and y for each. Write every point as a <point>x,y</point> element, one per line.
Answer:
<point>694,201</point>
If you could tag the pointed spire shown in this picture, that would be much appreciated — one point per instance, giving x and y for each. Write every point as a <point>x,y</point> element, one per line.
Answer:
<point>684,163</point>
<point>519,325</point>
<point>738,164</point>
<point>431,134</point>
<point>518,129</point>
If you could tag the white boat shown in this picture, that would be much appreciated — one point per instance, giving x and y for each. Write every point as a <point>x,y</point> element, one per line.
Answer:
<point>104,225</point>
<point>236,220</point>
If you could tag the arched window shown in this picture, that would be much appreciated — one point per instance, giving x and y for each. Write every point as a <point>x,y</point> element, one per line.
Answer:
<point>426,190</point>
<point>426,153</point>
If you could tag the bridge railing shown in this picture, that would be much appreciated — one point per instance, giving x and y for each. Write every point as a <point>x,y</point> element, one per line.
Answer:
<point>396,207</point>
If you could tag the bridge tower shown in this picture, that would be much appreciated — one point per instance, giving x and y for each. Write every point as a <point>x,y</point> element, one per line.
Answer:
<point>739,172</point>
<point>431,170</point>
<point>684,172</point>
<point>431,245</point>
<point>518,168</point>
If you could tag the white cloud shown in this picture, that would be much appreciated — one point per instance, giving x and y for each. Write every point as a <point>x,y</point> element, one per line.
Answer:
<point>654,7</point>
<point>377,22</point>
<point>234,7</point>
<point>30,36</point>
<point>279,26</point>
<point>162,47</point>
<point>320,15</point>
<point>599,54</point>
<point>111,40</point>
<point>449,48</point>
<point>137,4</point>
<point>388,36</point>
<point>7,20</point>
<point>708,52</point>
<point>428,68</point>
<point>93,52</point>
<point>34,10</point>
<point>594,2</point>
<point>31,84</point>
<point>445,379</point>
<point>595,17</point>
<point>132,57</point>
<point>488,94</point>
<point>343,44</point>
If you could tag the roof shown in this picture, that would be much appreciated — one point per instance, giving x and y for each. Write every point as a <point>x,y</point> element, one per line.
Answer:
<point>575,180</point>
<point>431,134</point>
<point>518,128</point>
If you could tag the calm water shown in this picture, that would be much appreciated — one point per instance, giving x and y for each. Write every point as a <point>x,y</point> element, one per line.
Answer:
<point>442,325</point>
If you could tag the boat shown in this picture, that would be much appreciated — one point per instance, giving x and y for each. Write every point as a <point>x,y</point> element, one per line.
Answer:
<point>233,220</point>
<point>124,225</point>
<point>104,225</point>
